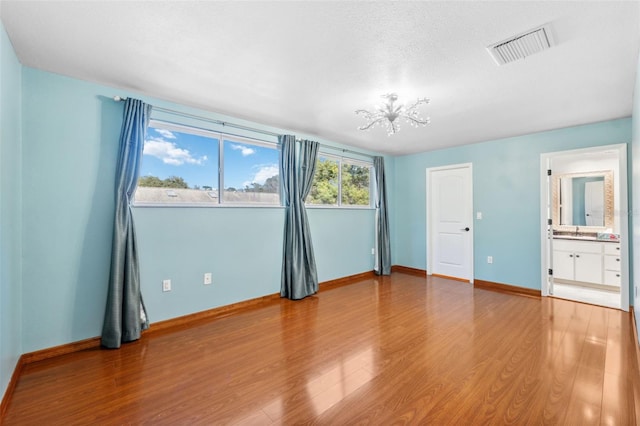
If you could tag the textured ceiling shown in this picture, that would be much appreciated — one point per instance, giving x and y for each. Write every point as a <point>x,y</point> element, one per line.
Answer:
<point>307,66</point>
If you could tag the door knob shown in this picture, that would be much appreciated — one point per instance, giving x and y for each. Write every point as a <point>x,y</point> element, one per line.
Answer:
<point>465,229</point>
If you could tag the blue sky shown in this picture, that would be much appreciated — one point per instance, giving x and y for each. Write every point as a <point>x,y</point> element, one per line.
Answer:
<point>195,159</point>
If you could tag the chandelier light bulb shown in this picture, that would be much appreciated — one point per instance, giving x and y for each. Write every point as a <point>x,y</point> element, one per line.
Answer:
<point>387,114</point>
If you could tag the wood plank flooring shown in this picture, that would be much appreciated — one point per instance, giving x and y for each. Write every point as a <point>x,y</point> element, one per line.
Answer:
<point>388,350</point>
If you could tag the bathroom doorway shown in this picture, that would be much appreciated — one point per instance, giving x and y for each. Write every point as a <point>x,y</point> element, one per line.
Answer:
<point>584,225</point>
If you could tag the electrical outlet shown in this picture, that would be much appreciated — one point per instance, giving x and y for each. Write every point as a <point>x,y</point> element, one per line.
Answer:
<point>207,278</point>
<point>166,285</point>
<point>489,259</point>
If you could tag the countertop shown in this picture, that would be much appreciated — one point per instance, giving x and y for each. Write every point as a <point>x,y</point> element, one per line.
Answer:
<point>582,238</point>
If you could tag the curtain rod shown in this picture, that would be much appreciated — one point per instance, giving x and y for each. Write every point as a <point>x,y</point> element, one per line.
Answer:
<point>343,150</point>
<point>210,120</point>
<point>236,126</point>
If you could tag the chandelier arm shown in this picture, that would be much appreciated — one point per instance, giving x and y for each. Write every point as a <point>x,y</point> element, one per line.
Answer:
<point>372,123</point>
<point>416,120</point>
<point>417,103</point>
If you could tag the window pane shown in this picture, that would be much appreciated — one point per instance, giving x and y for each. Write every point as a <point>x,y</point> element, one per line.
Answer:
<point>325,182</point>
<point>251,173</point>
<point>355,185</point>
<point>178,167</point>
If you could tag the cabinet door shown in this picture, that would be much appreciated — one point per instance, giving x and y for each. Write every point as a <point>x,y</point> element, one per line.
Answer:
<point>612,263</point>
<point>612,278</point>
<point>563,265</point>
<point>588,267</point>
<point>612,249</point>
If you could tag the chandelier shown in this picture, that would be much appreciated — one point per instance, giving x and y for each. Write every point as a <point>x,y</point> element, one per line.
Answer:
<point>386,115</point>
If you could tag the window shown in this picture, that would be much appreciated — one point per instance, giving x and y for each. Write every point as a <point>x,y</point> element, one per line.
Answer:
<point>179,166</point>
<point>341,182</point>
<point>187,166</point>
<point>326,182</point>
<point>251,172</point>
<point>356,185</point>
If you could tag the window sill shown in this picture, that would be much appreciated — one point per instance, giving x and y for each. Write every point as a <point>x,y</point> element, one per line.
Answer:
<point>326,207</point>
<point>209,206</point>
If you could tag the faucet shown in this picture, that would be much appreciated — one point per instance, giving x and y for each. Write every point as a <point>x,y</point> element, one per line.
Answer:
<point>577,229</point>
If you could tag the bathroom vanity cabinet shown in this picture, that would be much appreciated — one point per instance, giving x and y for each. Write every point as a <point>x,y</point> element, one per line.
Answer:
<point>593,262</point>
<point>612,261</point>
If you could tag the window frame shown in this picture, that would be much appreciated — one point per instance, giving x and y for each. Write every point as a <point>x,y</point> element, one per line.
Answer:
<point>342,159</point>
<point>221,137</point>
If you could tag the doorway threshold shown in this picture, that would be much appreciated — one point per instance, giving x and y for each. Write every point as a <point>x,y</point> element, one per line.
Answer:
<point>592,296</point>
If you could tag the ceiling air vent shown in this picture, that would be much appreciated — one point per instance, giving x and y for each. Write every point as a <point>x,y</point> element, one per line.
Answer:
<point>522,45</point>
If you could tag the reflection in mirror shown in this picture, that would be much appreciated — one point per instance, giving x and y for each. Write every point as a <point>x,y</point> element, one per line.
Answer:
<point>587,201</point>
<point>583,200</point>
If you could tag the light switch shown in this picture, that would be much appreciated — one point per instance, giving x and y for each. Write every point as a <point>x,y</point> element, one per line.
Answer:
<point>479,215</point>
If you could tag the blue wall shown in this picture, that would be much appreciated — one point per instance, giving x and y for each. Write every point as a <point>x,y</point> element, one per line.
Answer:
<point>242,248</point>
<point>506,189</point>
<point>70,137</point>
<point>10,219</point>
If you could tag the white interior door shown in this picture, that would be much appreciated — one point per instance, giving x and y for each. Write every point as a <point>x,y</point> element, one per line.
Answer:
<point>450,220</point>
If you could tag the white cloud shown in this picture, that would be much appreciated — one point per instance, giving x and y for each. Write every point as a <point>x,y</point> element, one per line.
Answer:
<point>245,149</point>
<point>165,133</point>
<point>265,173</point>
<point>169,153</point>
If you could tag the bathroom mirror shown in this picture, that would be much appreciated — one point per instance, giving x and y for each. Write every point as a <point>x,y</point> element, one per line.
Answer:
<point>583,200</point>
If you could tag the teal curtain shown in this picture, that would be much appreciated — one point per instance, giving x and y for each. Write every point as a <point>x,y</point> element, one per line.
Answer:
<point>125,315</point>
<point>383,245</point>
<point>299,275</point>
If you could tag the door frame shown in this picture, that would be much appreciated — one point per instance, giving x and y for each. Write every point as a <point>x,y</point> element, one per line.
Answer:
<point>430,225</point>
<point>545,211</point>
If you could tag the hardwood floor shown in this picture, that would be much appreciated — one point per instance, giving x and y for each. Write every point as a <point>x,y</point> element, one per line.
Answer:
<point>388,350</point>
